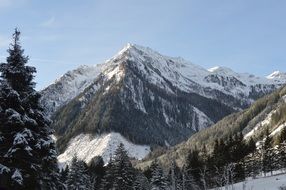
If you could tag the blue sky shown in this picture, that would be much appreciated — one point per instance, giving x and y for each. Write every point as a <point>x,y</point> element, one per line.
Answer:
<point>246,36</point>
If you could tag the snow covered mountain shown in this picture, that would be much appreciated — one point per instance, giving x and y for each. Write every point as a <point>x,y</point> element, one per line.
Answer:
<point>267,113</point>
<point>277,76</point>
<point>148,98</point>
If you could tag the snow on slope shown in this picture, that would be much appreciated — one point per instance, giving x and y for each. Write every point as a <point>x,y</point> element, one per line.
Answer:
<point>157,69</point>
<point>246,78</point>
<point>278,129</point>
<point>187,76</point>
<point>277,76</point>
<point>263,183</point>
<point>260,124</point>
<point>85,147</point>
<point>203,120</point>
<point>68,86</point>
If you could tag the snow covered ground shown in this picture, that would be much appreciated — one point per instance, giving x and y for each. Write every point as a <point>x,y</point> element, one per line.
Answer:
<point>85,147</point>
<point>262,183</point>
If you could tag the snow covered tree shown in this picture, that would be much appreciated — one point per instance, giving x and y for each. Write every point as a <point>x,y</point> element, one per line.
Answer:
<point>267,159</point>
<point>78,177</point>
<point>119,174</point>
<point>141,182</point>
<point>175,176</point>
<point>27,152</point>
<point>188,182</point>
<point>158,179</point>
<point>64,174</point>
<point>122,169</point>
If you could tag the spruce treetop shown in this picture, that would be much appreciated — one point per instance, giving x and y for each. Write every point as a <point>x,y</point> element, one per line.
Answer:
<point>15,72</point>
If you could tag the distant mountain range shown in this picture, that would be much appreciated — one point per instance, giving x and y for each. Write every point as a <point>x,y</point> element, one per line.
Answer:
<point>146,98</point>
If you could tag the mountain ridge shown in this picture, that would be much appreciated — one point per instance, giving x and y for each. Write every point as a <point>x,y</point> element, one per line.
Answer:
<point>146,97</point>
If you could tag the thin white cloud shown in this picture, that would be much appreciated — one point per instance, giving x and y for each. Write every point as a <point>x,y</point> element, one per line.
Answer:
<point>49,23</point>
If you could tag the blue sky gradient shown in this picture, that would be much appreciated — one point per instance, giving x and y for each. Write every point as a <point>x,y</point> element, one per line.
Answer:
<point>246,36</point>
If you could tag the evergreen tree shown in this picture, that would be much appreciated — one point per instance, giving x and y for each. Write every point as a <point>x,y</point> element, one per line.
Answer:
<point>282,155</point>
<point>119,173</point>
<point>266,153</point>
<point>251,146</point>
<point>78,177</point>
<point>175,176</point>
<point>26,149</point>
<point>122,170</point>
<point>140,182</point>
<point>188,182</point>
<point>194,166</point>
<point>158,179</point>
<point>282,136</point>
<point>108,178</point>
<point>64,174</point>
<point>97,170</point>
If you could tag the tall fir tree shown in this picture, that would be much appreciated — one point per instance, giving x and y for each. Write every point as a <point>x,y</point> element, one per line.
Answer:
<point>97,170</point>
<point>266,153</point>
<point>78,177</point>
<point>108,178</point>
<point>194,166</point>
<point>122,170</point>
<point>158,179</point>
<point>27,152</point>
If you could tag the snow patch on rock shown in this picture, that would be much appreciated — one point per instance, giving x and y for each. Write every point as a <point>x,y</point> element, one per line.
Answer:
<point>86,147</point>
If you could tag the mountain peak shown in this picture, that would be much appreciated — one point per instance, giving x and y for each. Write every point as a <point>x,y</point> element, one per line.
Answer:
<point>277,75</point>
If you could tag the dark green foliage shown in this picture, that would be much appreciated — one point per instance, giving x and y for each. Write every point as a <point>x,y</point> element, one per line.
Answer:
<point>158,179</point>
<point>26,149</point>
<point>282,136</point>
<point>267,157</point>
<point>175,177</point>
<point>194,166</point>
<point>243,121</point>
<point>97,170</point>
<point>78,176</point>
<point>251,146</point>
<point>141,182</point>
<point>64,174</point>
<point>18,75</point>
<point>120,174</point>
<point>123,171</point>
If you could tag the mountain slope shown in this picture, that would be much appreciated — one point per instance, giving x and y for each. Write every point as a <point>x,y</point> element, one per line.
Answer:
<point>147,97</point>
<point>268,112</point>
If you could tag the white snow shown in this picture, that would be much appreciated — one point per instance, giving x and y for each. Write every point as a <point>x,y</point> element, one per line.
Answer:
<point>246,78</point>
<point>262,183</point>
<point>262,123</point>
<point>86,146</point>
<point>157,69</point>
<point>17,177</point>
<point>54,138</point>
<point>69,86</point>
<point>203,120</point>
<point>278,129</point>
<point>19,139</point>
<point>4,169</point>
<point>277,75</point>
